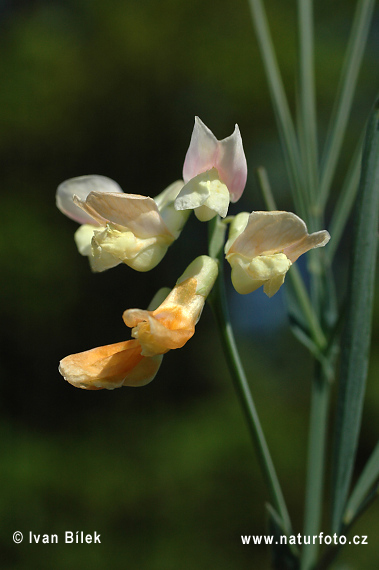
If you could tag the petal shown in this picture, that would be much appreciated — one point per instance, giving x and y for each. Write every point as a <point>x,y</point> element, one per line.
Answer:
<point>204,191</point>
<point>204,270</point>
<point>231,164</point>
<point>155,338</point>
<point>100,260</point>
<point>317,239</point>
<point>172,324</point>
<point>267,270</point>
<point>81,186</point>
<point>194,193</point>
<point>173,218</point>
<point>269,232</point>
<point>168,195</point>
<point>273,285</point>
<point>137,213</point>
<point>202,151</point>
<point>236,228</point>
<point>144,372</point>
<point>104,367</point>
<point>140,254</point>
<point>219,197</point>
<point>242,281</point>
<point>83,238</point>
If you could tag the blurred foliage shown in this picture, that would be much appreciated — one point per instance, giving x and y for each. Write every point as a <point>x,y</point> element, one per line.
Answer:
<point>165,474</point>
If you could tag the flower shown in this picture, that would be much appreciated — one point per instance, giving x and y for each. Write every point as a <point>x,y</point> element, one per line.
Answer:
<point>118,227</point>
<point>214,173</point>
<point>262,247</point>
<point>172,324</point>
<point>110,367</point>
<point>136,362</point>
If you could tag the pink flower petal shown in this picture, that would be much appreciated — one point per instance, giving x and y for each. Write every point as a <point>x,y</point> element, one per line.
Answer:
<point>231,164</point>
<point>81,186</point>
<point>202,151</point>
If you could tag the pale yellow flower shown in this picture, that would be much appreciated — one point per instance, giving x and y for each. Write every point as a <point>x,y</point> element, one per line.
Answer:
<point>262,247</point>
<point>117,227</point>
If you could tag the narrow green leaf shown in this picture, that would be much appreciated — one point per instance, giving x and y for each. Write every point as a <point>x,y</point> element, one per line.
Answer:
<point>357,333</point>
<point>368,479</point>
<point>317,444</point>
<point>265,187</point>
<point>280,104</point>
<point>307,98</point>
<point>284,556</point>
<point>344,99</point>
<point>344,204</point>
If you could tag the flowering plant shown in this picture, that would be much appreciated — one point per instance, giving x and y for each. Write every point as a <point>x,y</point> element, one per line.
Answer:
<point>262,247</point>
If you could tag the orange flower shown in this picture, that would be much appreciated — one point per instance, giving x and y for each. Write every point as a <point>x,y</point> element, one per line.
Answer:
<point>172,324</point>
<point>111,366</point>
<point>136,362</point>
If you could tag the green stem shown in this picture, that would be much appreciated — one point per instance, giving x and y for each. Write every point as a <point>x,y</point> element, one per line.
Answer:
<point>316,465</point>
<point>218,302</point>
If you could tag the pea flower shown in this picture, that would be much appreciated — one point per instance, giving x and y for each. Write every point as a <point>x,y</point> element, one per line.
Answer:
<point>172,324</point>
<point>262,247</point>
<point>118,227</point>
<point>135,362</point>
<point>214,173</point>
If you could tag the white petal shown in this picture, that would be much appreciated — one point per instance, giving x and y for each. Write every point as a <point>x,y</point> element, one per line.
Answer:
<point>140,254</point>
<point>137,213</point>
<point>207,192</point>
<point>317,239</point>
<point>236,227</point>
<point>193,194</point>
<point>168,195</point>
<point>81,186</point>
<point>83,238</point>
<point>174,219</point>
<point>202,151</point>
<point>269,232</point>
<point>273,285</point>
<point>219,198</point>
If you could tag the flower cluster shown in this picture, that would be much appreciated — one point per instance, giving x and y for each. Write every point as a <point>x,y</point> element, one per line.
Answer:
<point>116,227</point>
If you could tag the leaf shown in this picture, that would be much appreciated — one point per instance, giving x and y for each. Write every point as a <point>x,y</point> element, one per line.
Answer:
<point>284,556</point>
<point>357,333</point>
<point>367,482</point>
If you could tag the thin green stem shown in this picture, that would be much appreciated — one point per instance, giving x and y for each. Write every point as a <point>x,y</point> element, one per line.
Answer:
<point>219,305</point>
<point>316,465</point>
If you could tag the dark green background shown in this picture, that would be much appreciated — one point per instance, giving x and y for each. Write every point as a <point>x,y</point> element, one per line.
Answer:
<point>164,473</point>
